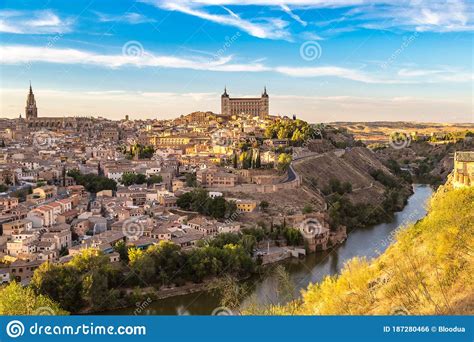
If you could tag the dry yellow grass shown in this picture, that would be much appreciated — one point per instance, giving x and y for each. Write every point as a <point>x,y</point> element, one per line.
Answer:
<point>427,271</point>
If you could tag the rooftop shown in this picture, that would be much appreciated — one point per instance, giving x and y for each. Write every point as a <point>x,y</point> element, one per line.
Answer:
<point>464,156</point>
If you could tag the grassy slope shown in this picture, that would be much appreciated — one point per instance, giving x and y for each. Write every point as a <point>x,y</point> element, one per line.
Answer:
<point>427,270</point>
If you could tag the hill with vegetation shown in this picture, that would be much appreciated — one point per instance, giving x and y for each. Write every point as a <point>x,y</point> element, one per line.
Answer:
<point>426,271</point>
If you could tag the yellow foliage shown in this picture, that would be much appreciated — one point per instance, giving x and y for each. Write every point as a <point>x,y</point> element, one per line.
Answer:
<point>428,270</point>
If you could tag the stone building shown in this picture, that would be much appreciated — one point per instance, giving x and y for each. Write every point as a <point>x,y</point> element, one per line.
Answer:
<point>463,169</point>
<point>31,111</point>
<point>258,106</point>
<point>35,122</point>
<point>216,178</point>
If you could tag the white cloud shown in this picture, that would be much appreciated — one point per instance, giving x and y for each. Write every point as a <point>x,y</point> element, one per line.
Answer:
<point>286,9</point>
<point>419,15</point>
<point>21,54</point>
<point>33,22</point>
<point>14,54</point>
<point>271,28</point>
<point>333,71</point>
<point>437,75</point>
<point>129,17</point>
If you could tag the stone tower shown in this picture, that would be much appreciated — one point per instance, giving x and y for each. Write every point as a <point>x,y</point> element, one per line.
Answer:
<point>31,111</point>
<point>264,104</point>
<point>225,103</point>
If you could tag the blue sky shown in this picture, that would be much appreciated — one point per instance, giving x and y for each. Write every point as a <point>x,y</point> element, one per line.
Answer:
<point>322,60</point>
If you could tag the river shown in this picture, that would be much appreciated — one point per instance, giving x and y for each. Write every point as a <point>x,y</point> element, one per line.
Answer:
<point>363,242</point>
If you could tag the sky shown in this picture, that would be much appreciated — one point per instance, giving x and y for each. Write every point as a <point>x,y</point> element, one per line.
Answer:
<point>322,60</point>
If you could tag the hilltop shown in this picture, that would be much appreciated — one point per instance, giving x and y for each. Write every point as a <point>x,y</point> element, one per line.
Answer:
<point>378,131</point>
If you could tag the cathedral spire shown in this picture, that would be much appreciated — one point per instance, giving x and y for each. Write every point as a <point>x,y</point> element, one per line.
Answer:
<point>31,111</point>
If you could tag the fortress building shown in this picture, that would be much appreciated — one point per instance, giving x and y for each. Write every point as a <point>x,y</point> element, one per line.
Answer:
<point>257,106</point>
<point>463,169</point>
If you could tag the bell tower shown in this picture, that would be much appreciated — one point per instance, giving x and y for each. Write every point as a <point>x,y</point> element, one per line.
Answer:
<point>225,103</point>
<point>264,104</point>
<point>31,111</point>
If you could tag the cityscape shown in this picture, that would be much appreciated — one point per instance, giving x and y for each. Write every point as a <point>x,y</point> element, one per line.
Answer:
<point>250,187</point>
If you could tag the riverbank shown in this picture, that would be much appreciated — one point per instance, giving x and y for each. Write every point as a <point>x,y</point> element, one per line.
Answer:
<point>427,270</point>
<point>150,294</point>
<point>366,242</point>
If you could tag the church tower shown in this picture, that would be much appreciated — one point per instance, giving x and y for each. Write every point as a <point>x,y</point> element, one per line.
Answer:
<point>31,111</point>
<point>225,103</point>
<point>264,104</point>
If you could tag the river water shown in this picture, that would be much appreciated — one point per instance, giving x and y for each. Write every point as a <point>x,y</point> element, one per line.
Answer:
<point>363,242</point>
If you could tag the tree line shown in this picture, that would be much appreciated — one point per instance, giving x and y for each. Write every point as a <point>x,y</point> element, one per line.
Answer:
<point>90,282</point>
<point>198,200</point>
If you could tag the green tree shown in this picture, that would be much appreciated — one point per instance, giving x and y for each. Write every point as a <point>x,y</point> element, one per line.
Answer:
<point>264,205</point>
<point>234,161</point>
<point>293,236</point>
<point>92,183</point>
<point>258,232</point>
<point>191,180</point>
<point>284,161</point>
<point>18,300</point>
<point>146,152</point>
<point>154,179</point>
<point>62,283</point>
<point>199,200</point>
<point>142,265</point>
<point>96,289</point>
<point>258,161</point>
<point>130,178</point>
<point>231,292</point>
<point>122,249</point>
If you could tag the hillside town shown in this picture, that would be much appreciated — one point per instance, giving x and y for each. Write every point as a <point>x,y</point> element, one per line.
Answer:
<point>68,184</point>
<point>74,183</point>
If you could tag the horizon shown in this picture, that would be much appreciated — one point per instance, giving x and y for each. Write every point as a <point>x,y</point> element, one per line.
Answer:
<point>351,61</point>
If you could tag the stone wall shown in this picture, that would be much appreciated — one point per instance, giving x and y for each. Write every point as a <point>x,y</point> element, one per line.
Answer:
<point>261,188</point>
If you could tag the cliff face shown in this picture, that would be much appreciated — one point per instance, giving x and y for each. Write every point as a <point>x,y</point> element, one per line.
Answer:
<point>426,271</point>
<point>353,166</point>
